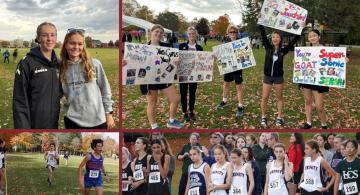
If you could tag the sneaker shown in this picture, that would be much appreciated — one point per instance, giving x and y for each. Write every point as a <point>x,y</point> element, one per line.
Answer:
<point>186,117</point>
<point>240,111</point>
<point>221,105</point>
<point>157,128</point>
<point>279,122</point>
<point>192,116</point>
<point>323,126</point>
<point>175,125</point>
<point>307,126</point>
<point>263,122</point>
<point>2,192</point>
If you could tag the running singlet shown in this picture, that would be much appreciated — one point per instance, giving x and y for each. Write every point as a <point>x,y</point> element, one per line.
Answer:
<point>312,178</point>
<point>277,184</point>
<point>197,184</point>
<point>2,159</point>
<point>93,167</point>
<point>51,158</point>
<point>126,173</point>
<point>157,184</point>
<point>138,174</point>
<point>239,181</point>
<point>218,176</point>
<point>349,172</point>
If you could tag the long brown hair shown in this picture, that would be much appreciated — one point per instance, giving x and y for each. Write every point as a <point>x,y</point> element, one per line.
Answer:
<point>86,62</point>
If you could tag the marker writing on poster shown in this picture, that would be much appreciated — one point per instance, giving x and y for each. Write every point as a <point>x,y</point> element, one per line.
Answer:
<point>330,81</point>
<point>289,12</point>
<point>328,56</point>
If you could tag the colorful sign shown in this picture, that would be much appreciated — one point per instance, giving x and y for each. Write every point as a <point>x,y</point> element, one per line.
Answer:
<point>283,15</point>
<point>233,56</point>
<point>324,66</point>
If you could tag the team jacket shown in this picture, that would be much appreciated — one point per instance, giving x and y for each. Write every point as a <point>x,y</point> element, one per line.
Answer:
<point>36,95</point>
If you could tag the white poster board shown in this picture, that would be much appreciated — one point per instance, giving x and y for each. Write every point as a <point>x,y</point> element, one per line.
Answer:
<point>323,66</point>
<point>233,56</point>
<point>283,15</point>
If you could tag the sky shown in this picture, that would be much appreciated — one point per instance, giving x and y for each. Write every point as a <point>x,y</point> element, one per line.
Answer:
<point>20,18</point>
<point>114,136</point>
<point>209,9</point>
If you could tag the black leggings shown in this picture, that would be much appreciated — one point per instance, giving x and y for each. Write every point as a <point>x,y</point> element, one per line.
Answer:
<point>183,92</point>
<point>304,192</point>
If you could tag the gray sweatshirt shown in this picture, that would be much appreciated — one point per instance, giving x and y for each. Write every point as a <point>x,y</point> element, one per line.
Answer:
<point>86,103</point>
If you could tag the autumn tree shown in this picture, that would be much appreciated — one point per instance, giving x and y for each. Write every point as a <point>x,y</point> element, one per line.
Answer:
<point>203,26</point>
<point>109,147</point>
<point>220,25</point>
<point>22,141</point>
<point>168,20</point>
<point>88,42</point>
<point>145,13</point>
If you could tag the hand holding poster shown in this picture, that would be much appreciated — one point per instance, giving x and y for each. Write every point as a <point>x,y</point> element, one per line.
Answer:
<point>234,56</point>
<point>324,66</point>
<point>195,66</point>
<point>148,64</point>
<point>283,15</point>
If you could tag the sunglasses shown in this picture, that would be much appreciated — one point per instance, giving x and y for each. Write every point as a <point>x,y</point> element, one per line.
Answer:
<point>78,30</point>
<point>232,32</point>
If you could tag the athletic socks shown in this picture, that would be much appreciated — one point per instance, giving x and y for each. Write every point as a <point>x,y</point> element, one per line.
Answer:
<point>154,126</point>
<point>224,100</point>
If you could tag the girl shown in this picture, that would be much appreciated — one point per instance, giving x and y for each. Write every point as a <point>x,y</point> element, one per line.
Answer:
<point>229,142</point>
<point>85,86</point>
<point>311,182</point>
<point>36,95</point>
<point>199,174</point>
<point>296,154</point>
<point>151,91</point>
<point>158,167</point>
<point>240,142</point>
<point>329,145</point>
<point>251,140</point>
<point>51,158</point>
<point>167,150</point>
<point>221,172</point>
<point>236,76</point>
<point>242,175</point>
<point>127,173</point>
<point>279,171</point>
<point>320,139</point>
<point>249,158</point>
<point>139,167</point>
<point>193,46</point>
<point>274,73</point>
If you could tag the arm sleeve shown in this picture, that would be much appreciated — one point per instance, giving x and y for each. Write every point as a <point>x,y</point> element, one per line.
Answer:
<point>104,86</point>
<point>265,40</point>
<point>21,107</point>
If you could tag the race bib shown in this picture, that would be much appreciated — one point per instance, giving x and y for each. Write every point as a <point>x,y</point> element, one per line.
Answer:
<point>138,175</point>
<point>351,188</point>
<point>125,187</point>
<point>235,190</point>
<point>154,177</point>
<point>194,191</point>
<point>94,173</point>
<point>310,181</point>
<point>275,184</point>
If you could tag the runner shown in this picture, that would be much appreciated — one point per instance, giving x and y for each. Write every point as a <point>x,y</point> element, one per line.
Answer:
<point>139,167</point>
<point>242,175</point>
<point>51,158</point>
<point>2,166</point>
<point>127,174</point>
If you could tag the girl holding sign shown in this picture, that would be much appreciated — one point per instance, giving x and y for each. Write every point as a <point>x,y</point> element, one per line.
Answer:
<point>274,73</point>
<point>221,172</point>
<point>127,173</point>
<point>199,173</point>
<point>139,167</point>
<point>158,167</point>
<point>242,174</point>
<point>314,163</point>
<point>278,172</point>
<point>192,46</point>
<point>236,76</point>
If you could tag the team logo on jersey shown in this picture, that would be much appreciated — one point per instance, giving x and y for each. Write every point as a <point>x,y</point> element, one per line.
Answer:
<point>195,181</point>
<point>124,176</point>
<point>154,167</point>
<point>40,70</point>
<point>350,174</point>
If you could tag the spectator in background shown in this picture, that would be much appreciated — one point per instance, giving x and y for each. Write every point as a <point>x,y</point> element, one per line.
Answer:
<point>296,155</point>
<point>129,38</point>
<point>165,144</point>
<point>15,55</point>
<point>261,152</point>
<point>6,55</point>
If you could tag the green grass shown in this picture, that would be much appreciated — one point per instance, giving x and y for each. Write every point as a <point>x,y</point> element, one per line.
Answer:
<point>26,174</point>
<point>108,58</point>
<point>341,105</point>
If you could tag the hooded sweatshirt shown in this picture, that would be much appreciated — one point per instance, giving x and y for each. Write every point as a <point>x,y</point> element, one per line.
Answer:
<point>86,102</point>
<point>36,95</point>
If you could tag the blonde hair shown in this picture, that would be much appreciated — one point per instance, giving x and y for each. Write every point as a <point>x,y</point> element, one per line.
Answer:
<point>157,26</point>
<point>39,28</point>
<point>231,26</point>
<point>191,28</point>
<point>86,62</point>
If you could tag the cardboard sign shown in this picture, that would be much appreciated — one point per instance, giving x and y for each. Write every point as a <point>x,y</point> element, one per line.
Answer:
<point>148,64</point>
<point>195,66</point>
<point>283,15</point>
<point>233,56</point>
<point>323,66</point>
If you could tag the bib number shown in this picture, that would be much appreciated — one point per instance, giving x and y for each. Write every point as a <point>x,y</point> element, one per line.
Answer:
<point>236,190</point>
<point>138,175</point>
<point>125,187</point>
<point>310,181</point>
<point>94,173</point>
<point>194,191</point>
<point>154,177</point>
<point>351,188</point>
<point>275,184</point>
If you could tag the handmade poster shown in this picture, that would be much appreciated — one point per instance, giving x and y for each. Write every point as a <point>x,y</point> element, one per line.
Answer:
<point>195,66</point>
<point>233,56</point>
<point>323,66</point>
<point>283,15</point>
<point>147,64</point>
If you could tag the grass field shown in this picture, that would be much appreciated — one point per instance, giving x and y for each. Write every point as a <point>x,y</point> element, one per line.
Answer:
<point>108,58</point>
<point>341,105</point>
<point>26,174</point>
